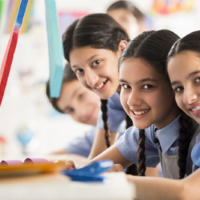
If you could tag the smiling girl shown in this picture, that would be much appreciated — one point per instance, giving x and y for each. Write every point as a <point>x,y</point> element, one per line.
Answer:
<point>82,105</point>
<point>93,46</point>
<point>184,72</point>
<point>164,131</point>
<point>183,67</point>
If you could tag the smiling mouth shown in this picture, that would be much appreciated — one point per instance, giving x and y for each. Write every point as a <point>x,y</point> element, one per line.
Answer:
<point>140,112</point>
<point>195,109</point>
<point>101,85</point>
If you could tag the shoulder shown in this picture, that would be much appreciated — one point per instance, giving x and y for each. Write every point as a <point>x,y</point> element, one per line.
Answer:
<point>114,101</point>
<point>195,152</point>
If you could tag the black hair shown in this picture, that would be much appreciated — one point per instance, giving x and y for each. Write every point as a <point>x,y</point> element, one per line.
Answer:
<point>97,31</point>
<point>129,6</point>
<point>188,43</point>
<point>68,76</point>
<point>153,48</point>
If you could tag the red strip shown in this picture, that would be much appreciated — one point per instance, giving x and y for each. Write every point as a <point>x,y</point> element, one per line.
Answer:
<point>7,61</point>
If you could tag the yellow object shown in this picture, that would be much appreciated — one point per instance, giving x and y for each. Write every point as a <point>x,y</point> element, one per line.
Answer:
<point>27,17</point>
<point>12,15</point>
<point>30,169</point>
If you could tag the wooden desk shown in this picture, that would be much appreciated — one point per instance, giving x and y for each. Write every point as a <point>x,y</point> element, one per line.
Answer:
<point>59,187</point>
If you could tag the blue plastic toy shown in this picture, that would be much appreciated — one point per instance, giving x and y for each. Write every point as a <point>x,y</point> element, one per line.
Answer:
<point>91,172</point>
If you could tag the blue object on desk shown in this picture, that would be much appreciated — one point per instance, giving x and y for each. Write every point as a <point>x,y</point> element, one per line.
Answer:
<point>91,172</point>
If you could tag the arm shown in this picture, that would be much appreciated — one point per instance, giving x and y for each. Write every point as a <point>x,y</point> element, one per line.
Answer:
<point>113,154</point>
<point>99,144</point>
<point>161,188</point>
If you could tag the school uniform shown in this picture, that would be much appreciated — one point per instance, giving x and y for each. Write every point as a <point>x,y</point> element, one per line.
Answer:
<point>195,153</point>
<point>116,115</point>
<point>160,146</point>
<point>82,145</point>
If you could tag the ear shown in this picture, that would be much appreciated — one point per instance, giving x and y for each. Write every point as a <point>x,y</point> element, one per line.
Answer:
<point>122,45</point>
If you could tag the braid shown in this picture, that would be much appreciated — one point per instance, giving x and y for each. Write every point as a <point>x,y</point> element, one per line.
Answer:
<point>141,153</point>
<point>105,117</point>
<point>185,136</point>
<point>133,168</point>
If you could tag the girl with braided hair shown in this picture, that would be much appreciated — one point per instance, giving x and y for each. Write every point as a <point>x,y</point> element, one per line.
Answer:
<point>183,66</point>
<point>171,134</point>
<point>161,131</point>
<point>92,46</point>
<point>184,73</point>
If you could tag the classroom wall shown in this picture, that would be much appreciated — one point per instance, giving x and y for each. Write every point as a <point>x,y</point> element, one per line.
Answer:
<point>25,103</point>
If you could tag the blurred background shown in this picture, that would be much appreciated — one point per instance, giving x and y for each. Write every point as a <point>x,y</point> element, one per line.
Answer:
<point>26,117</point>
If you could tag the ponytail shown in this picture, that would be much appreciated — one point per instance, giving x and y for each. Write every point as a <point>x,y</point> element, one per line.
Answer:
<point>185,136</point>
<point>105,117</point>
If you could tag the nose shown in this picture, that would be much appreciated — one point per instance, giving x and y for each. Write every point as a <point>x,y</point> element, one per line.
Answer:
<point>91,77</point>
<point>189,95</point>
<point>134,99</point>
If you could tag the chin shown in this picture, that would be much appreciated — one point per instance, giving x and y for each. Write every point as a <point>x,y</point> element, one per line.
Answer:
<point>141,125</point>
<point>105,96</point>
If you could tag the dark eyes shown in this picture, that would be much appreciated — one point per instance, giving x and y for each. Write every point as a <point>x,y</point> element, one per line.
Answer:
<point>125,86</point>
<point>70,110</point>
<point>178,89</point>
<point>197,80</point>
<point>80,96</point>
<point>147,86</point>
<point>96,62</point>
<point>78,71</point>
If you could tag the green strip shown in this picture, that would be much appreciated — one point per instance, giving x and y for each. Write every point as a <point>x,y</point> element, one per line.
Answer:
<point>1,8</point>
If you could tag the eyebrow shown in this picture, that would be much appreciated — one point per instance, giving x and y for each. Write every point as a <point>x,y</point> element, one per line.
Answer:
<point>140,81</point>
<point>188,76</point>
<point>88,60</point>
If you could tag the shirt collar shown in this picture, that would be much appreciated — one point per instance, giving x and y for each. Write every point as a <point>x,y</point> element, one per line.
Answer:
<point>169,134</point>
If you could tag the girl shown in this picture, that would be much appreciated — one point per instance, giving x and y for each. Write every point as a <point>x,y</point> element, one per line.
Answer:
<point>93,46</point>
<point>82,105</point>
<point>128,16</point>
<point>145,89</point>
<point>184,72</point>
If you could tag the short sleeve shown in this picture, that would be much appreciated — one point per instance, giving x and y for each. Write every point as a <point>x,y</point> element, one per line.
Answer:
<point>127,144</point>
<point>116,115</point>
<point>82,145</point>
<point>195,154</point>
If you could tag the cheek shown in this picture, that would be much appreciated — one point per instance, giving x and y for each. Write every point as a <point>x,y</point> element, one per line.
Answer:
<point>82,80</point>
<point>179,101</point>
<point>158,99</point>
<point>124,98</point>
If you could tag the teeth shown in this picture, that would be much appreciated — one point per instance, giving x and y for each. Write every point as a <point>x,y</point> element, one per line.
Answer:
<point>101,85</point>
<point>140,112</point>
<point>197,108</point>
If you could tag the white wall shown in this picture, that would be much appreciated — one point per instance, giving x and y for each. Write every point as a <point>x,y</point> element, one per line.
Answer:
<point>25,99</point>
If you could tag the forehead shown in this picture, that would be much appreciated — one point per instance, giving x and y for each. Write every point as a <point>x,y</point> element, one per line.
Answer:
<point>182,64</point>
<point>136,68</point>
<point>84,53</point>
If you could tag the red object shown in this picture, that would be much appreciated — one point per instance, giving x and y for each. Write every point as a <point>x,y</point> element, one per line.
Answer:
<point>2,140</point>
<point>7,61</point>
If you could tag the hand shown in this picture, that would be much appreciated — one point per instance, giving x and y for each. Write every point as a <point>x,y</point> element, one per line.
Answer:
<point>116,168</point>
<point>70,165</point>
